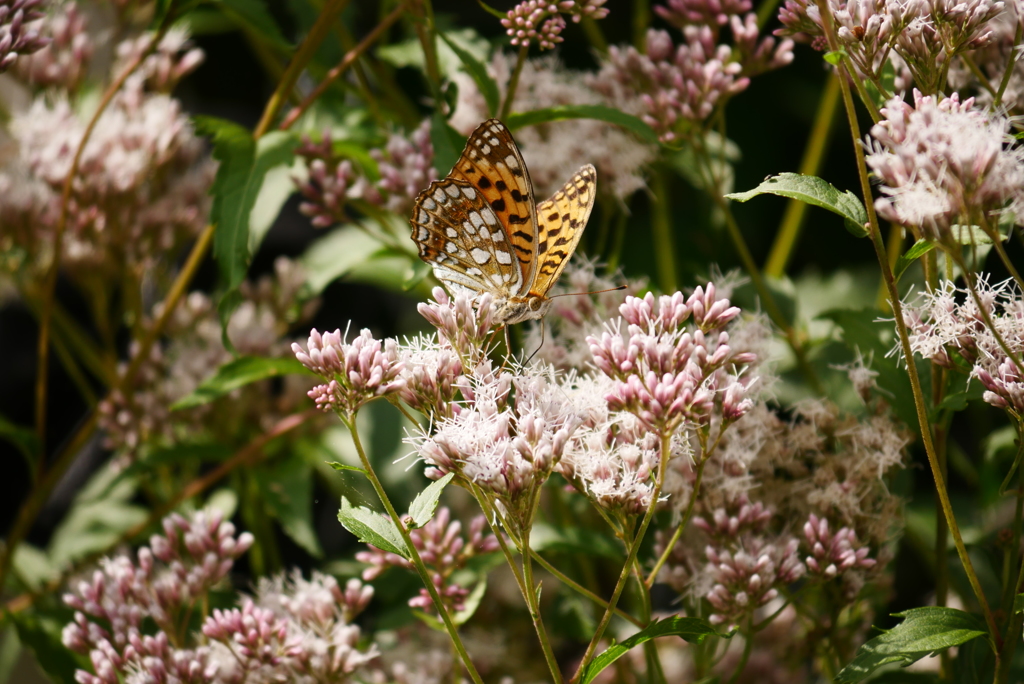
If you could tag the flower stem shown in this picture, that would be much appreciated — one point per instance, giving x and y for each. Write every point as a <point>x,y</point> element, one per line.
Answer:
<point>771,307</point>
<point>904,337</point>
<point>48,291</point>
<point>513,81</point>
<point>997,243</point>
<point>627,568</point>
<point>661,230</point>
<point>649,582</point>
<point>306,50</point>
<point>347,61</point>
<point>582,590</point>
<point>421,568</point>
<point>748,646</point>
<point>534,606</point>
<point>817,146</point>
<point>1010,63</point>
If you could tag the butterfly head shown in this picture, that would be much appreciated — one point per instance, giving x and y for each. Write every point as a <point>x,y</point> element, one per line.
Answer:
<point>518,309</point>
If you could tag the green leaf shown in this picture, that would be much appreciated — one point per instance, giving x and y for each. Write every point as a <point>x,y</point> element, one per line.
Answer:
<point>287,490</point>
<point>888,81</point>
<point>599,112</point>
<point>693,630</point>
<point>277,188</point>
<point>345,466</point>
<point>23,439</point>
<point>1018,603</point>
<point>812,190</point>
<point>423,506</point>
<point>969,235</point>
<point>42,634</point>
<point>417,273</point>
<point>239,373</point>
<point>834,57</point>
<point>335,255</point>
<point>372,528</point>
<point>101,513</point>
<point>244,163</point>
<point>923,631</point>
<point>447,142</point>
<point>478,72</point>
<point>253,16</point>
<point>472,601</point>
<point>916,251</point>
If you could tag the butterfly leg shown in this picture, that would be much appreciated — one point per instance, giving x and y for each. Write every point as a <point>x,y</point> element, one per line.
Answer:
<point>542,329</point>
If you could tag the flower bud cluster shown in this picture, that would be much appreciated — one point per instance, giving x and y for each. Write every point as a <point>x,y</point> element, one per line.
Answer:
<point>293,630</point>
<point>947,324</point>
<point>748,577</point>
<point>140,192</point>
<point>406,166</point>
<point>507,448</point>
<point>356,372</point>
<point>139,418</point>
<point>943,163</point>
<point>541,21</point>
<point>63,62</point>
<point>667,373</point>
<point>465,324</point>
<point>173,58</point>
<point>16,37</point>
<point>832,554</point>
<point>171,576</point>
<point>330,182</point>
<point>444,550</point>
<point>681,85</point>
<point>920,36</point>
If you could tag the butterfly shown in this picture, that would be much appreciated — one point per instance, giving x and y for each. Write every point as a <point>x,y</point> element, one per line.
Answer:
<point>482,231</point>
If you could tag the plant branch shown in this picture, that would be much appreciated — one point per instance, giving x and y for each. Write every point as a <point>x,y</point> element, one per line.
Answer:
<point>421,568</point>
<point>904,337</point>
<point>303,55</point>
<point>346,62</point>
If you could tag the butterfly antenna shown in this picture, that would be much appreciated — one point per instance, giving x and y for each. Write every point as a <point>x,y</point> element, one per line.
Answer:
<point>539,345</point>
<point>575,294</point>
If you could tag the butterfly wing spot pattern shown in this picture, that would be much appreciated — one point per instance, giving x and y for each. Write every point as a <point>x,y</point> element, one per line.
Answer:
<point>482,231</point>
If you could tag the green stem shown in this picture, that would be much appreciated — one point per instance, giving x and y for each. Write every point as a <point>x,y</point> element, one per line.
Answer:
<point>1010,64</point>
<point>649,582</point>
<point>972,287</point>
<point>538,621</point>
<point>666,443</point>
<point>513,82</point>
<point>595,36</point>
<point>641,22</point>
<point>997,243</point>
<point>582,590</point>
<point>904,337</point>
<point>817,146</point>
<point>767,298</point>
<point>982,79</point>
<point>748,646</point>
<point>48,292</point>
<point>421,568</point>
<point>303,55</point>
<point>661,232</point>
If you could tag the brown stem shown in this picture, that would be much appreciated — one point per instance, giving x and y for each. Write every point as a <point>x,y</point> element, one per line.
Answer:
<point>346,62</point>
<point>302,56</point>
